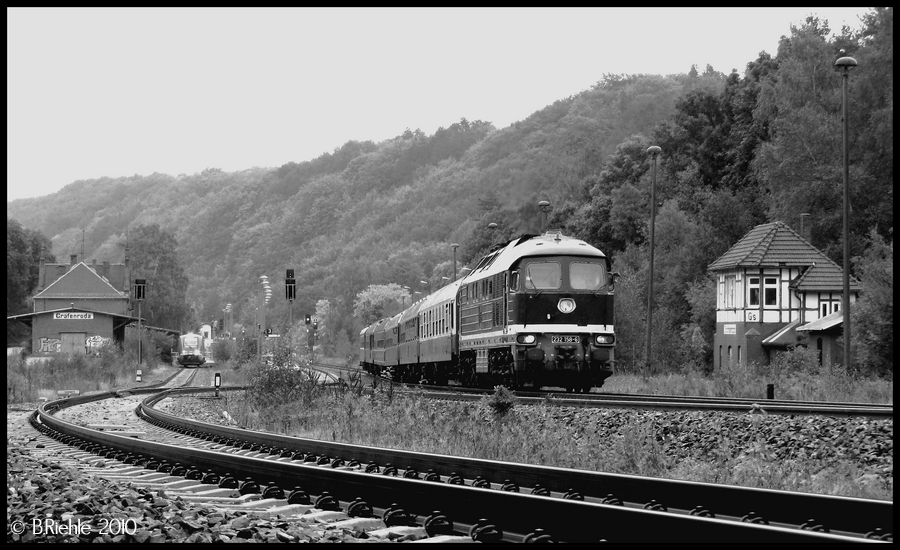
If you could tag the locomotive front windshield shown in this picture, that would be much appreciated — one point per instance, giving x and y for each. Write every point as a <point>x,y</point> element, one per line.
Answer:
<point>587,276</point>
<point>548,275</point>
<point>543,276</point>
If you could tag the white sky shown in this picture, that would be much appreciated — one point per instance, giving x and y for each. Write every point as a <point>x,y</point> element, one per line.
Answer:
<point>95,92</point>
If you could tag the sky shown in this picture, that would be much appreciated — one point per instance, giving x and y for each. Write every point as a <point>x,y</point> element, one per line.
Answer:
<point>94,92</point>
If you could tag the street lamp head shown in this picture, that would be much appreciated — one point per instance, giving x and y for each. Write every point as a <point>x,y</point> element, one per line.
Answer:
<point>845,64</point>
<point>492,225</point>
<point>445,278</point>
<point>424,282</point>
<point>454,246</point>
<point>654,150</point>
<point>543,204</point>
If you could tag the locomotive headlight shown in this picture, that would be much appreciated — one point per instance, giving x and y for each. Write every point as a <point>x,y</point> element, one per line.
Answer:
<point>566,305</point>
<point>605,339</point>
<point>525,338</point>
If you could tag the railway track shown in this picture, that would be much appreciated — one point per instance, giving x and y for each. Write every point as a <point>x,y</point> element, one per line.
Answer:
<point>441,496</point>
<point>658,402</point>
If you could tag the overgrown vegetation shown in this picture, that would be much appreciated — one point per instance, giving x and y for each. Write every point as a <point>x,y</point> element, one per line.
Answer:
<point>26,381</point>
<point>811,454</point>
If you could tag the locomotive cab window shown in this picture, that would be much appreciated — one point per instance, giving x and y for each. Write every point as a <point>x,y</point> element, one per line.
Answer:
<point>587,276</point>
<point>543,276</point>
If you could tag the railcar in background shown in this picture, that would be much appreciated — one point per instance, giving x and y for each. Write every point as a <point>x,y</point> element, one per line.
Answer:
<point>191,350</point>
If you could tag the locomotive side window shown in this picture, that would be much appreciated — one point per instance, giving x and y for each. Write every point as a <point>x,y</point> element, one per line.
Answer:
<point>543,276</point>
<point>587,276</point>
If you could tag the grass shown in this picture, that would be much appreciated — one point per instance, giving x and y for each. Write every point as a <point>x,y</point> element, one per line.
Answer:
<point>28,381</point>
<point>774,451</point>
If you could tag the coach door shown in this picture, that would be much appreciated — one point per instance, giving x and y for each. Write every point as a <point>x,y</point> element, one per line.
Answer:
<point>72,342</point>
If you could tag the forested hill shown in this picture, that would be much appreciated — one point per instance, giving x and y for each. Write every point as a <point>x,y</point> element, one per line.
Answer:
<point>737,150</point>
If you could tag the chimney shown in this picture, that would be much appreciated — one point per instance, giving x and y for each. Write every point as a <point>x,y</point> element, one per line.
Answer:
<point>73,259</point>
<point>40,284</point>
<point>805,228</point>
<point>106,269</point>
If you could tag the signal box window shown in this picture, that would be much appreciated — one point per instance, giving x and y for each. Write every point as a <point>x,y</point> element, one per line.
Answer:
<point>753,285</point>
<point>543,276</point>
<point>585,276</point>
<point>770,288</point>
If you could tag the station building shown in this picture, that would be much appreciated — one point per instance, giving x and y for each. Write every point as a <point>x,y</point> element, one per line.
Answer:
<point>79,307</point>
<point>776,291</point>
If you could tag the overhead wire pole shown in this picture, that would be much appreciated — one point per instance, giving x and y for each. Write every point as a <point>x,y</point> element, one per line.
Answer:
<point>844,65</point>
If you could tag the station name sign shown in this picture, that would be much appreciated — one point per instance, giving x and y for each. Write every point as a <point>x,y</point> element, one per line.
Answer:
<point>73,315</point>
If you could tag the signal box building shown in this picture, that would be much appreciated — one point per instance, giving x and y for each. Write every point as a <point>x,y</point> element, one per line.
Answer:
<point>776,291</point>
<point>79,307</point>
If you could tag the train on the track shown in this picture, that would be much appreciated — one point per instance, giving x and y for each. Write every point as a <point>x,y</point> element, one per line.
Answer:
<point>536,311</point>
<point>191,350</point>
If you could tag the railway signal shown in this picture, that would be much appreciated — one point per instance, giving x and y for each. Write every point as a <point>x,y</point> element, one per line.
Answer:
<point>308,319</point>
<point>290,286</point>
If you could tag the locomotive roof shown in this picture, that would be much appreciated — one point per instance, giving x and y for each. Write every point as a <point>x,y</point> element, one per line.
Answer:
<point>551,243</point>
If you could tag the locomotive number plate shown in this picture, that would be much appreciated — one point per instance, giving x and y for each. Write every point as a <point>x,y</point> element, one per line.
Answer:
<point>563,339</point>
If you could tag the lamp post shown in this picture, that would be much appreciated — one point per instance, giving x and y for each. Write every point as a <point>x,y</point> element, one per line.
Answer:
<point>227,326</point>
<point>454,246</point>
<point>264,296</point>
<point>140,288</point>
<point>492,228</point>
<point>545,208</point>
<point>844,65</point>
<point>403,297</point>
<point>654,153</point>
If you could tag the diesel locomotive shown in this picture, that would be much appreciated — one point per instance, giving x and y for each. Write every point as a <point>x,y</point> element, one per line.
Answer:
<point>536,312</point>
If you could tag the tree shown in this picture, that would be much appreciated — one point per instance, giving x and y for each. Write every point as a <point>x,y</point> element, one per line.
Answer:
<point>154,258</point>
<point>872,317</point>
<point>377,302</point>
<point>25,248</point>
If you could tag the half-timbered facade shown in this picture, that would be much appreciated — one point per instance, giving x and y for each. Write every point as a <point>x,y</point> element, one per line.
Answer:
<point>768,284</point>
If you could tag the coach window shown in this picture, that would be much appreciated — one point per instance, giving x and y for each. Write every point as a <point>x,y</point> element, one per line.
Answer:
<point>543,276</point>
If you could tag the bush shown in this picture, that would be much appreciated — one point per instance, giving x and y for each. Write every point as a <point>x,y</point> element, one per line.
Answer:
<point>501,401</point>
